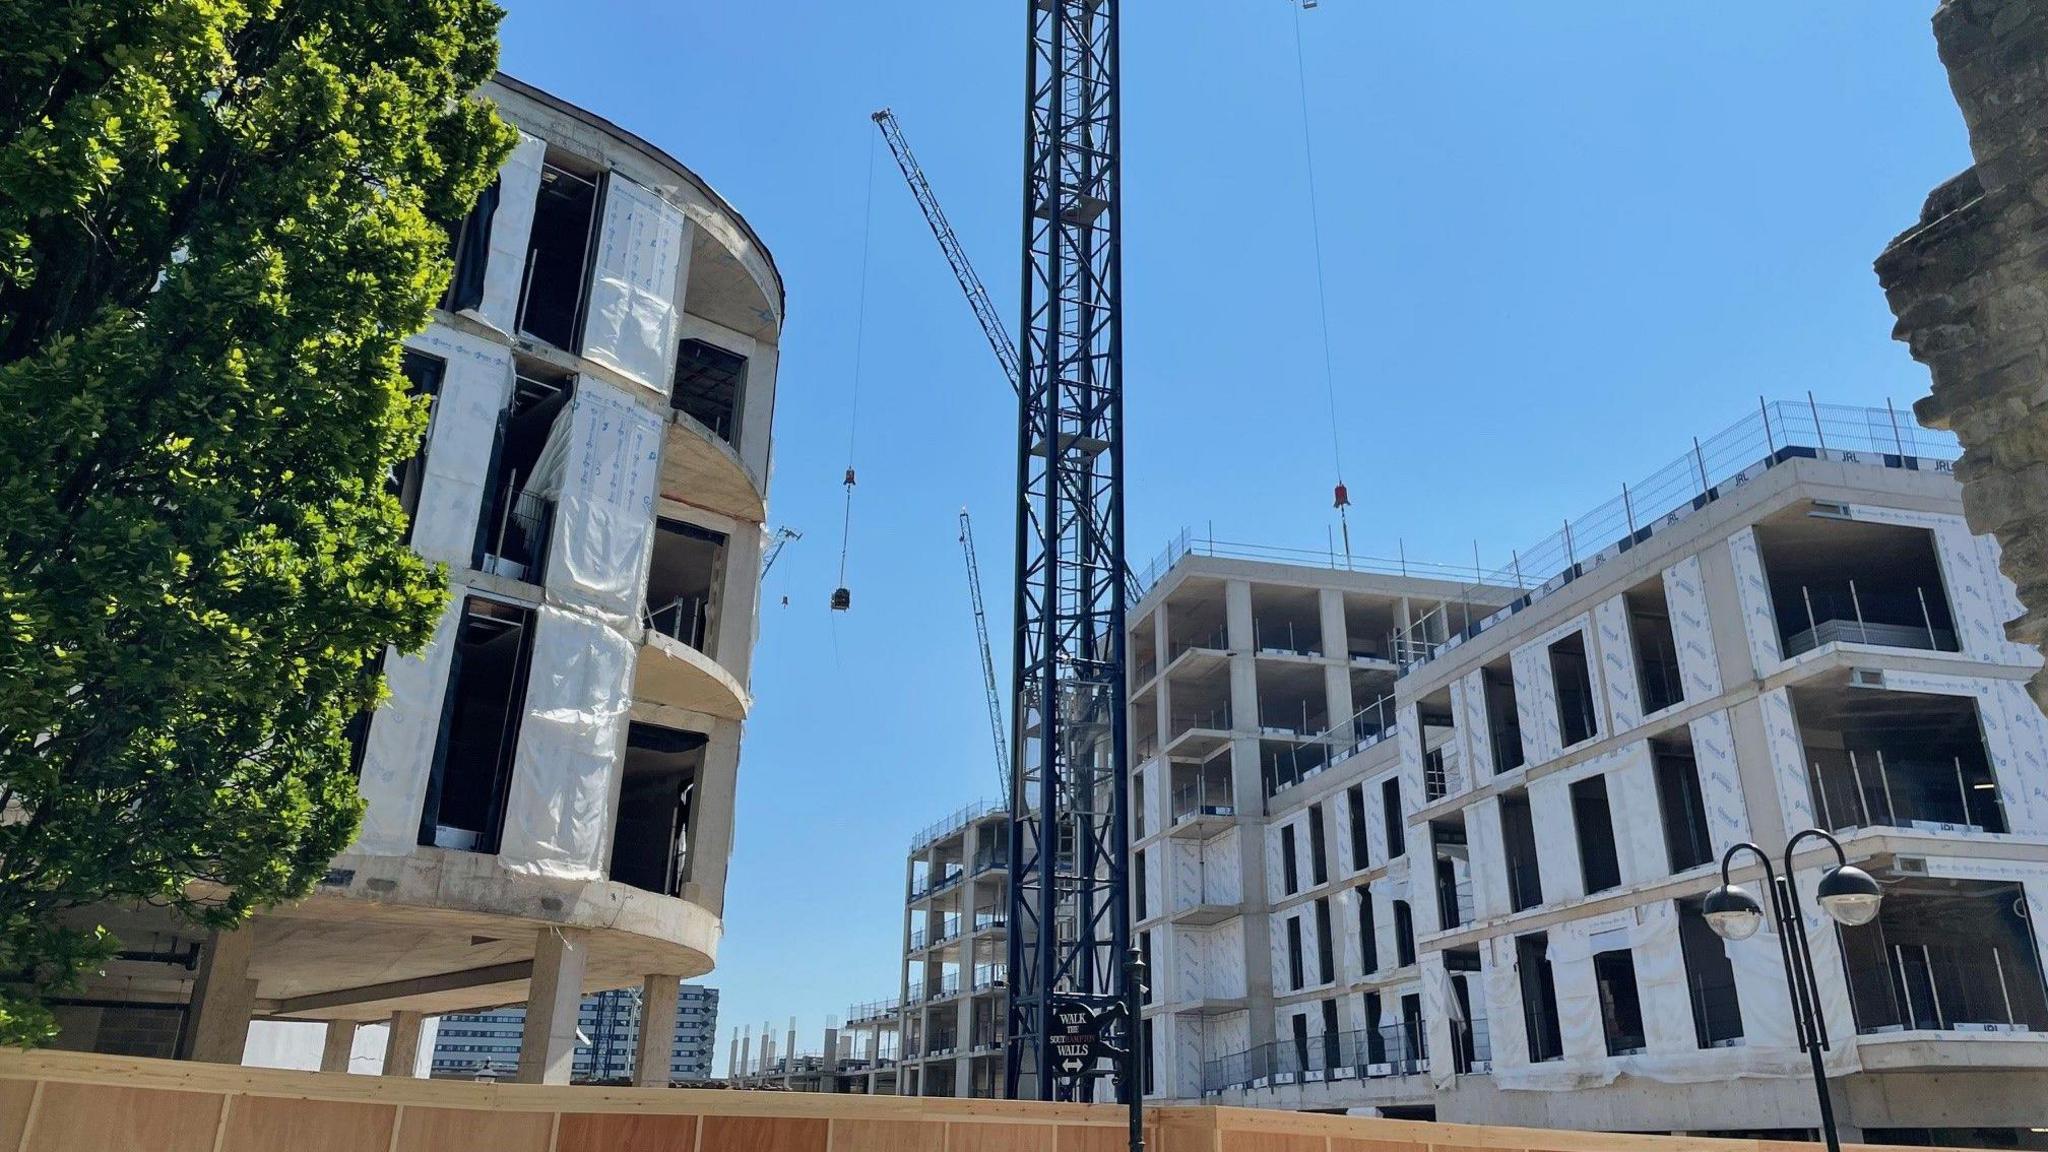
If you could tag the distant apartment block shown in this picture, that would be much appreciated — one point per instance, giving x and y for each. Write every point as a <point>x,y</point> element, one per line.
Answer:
<point>486,1044</point>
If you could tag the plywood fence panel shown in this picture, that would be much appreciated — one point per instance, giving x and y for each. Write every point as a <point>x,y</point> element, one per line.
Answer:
<point>888,1136</point>
<point>764,1134</point>
<point>617,1133</point>
<point>270,1123</point>
<point>99,1117</point>
<point>473,1130</point>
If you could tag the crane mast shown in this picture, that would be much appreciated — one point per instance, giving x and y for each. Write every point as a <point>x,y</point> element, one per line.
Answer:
<point>1069,843</point>
<point>988,661</point>
<point>970,283</point>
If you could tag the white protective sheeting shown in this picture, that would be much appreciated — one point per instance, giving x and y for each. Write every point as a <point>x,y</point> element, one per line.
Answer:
<point>1436,1019</point>
<point>475,382</point>
<point>557,811</point>
<point>1489,861</point>
<point>1637,818</point>
<point>1980,598</point>
<point>1506,1027</point>
<point>1468,705</point>
<point>1557,842</point>
<point>1758,622</point>
<point>1618,662</point>
<point>1660,982</point>
<point>1713,750</point>
<point>1788,760</point>
<point>632,317</point>
<point>1535,703</point>
<point>1685,596</point>
<point>400,750</point>
<point>511,232</point>
<point>604,519</point>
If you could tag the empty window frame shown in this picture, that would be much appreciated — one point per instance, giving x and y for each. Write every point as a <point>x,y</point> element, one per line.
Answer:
<point>709,388</point>
<point>1518,845</point>
<point>1684,806</point>
<point>1415,1040</point>
<point>1539,998</point>
<point>1138,885</point>
<point>480,718</point>
<point>1361,854</point>
<point>556,287</point>
<point>1404,934</point>
<point>1318,863</point>
<point>1390,802</point>
<point>1656,647</point>
<point>512,530</point>
<point>1145,1054</point>
<point>1451,858</point>
<point>651,839</point>
<point>1300,1032</point>
<point>1573,676</point>
<point>1145,950</point>
<point>1503,722</point>
<point>685,580</point>
<point>1333,1049</point>
<point>1375,1032</point>
<point>1368,934</point>
<point>1621,1007</point>
<point>1290,872</point>
<point>1709,980</point>
<point>1295,975</point>
<point>1598,862</point>
<point>1326,951</point>
<point>469,251</point>
<point>423,375</point>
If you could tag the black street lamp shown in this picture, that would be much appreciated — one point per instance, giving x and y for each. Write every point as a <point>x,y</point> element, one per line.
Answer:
<point>1847,894</point>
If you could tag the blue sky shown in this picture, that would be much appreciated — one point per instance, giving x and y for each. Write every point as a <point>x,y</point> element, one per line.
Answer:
<point>1561,239</point>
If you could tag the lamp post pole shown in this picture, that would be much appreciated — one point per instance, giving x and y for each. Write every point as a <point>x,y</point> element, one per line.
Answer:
<point>1847,894</point>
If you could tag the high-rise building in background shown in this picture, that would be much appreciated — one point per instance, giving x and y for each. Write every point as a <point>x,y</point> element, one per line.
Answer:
<point>608,1026</point>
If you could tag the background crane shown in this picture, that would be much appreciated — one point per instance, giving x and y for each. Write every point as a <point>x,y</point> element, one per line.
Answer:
<point>988,662</point>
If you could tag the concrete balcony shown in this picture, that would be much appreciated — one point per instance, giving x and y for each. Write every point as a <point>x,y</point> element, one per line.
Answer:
<point>701,469</point>
<point>672,674</point>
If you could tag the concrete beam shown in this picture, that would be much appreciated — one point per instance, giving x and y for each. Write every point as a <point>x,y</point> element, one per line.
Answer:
<point>223,999</point>
<point>513,972</point>
<point>548,1045</point>
<point>657,1030</point>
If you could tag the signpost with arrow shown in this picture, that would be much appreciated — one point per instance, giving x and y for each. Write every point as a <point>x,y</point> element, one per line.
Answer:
<point>1081,1037</point>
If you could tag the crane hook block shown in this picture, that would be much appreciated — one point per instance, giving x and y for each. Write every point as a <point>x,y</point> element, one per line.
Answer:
<point>1343,497</point>
<point>842,599</point>
<point>849,477</point>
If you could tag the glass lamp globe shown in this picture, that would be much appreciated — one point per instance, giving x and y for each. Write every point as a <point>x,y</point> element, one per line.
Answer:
<point>1850,895</point>
<point>1732,912</point>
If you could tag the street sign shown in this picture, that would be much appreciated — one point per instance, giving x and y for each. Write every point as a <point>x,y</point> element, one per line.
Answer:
<point>1077,1034</point>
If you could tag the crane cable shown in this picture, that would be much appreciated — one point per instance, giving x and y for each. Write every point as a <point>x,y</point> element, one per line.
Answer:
<point>841,597</point>
<point>1342,496</point>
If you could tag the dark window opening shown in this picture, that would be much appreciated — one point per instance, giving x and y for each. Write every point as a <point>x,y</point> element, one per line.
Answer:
<point>1300,1031</point>
<point>1361,855</point>
<point>1621,1007</point>
<point>1333,1056</point>
<point>518,507</point>
<point>423,376</point>
<point>1576,720</point>
<point>556,286</point>
<point>1404,935</point>
<point>1503,723</point>
<point>1144,1056</point>
<point>1471,1039</point>
<point>1539,998</point>
<point>1709,980</point>
<point>1375,1032</point>
<point>1326,952</point>
<point>1368,935</point>
<point>1390,801</point>
<point>1649,625</point>
<point>1947,955</point>
<point>1518,844</point>
<point>1453,859</point>
<point>651,840</point>
<point>1834,580</point>
<point>1138,884</point>
<point>480,718</point>
<point>684,580</point>
<point>1290,872</point>
<point>1295,976</point>
<point>1318,866</point>
<point>1415,1041</point>
<point>1145,950</point>
<point>710,383</point>
<point>1598,862</point>
<point>1683,804</point>
<point>469,250</point>
<point>1878,758</point>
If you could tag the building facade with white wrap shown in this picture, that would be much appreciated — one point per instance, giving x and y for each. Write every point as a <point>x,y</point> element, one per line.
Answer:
<point>550,787</point>
<point>1438,849</point>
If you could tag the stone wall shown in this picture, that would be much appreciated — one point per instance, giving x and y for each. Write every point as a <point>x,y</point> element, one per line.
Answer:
<point>1969,286</point>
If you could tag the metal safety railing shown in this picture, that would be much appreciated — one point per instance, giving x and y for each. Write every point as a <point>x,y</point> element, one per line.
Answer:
<point>954,822</point>
<point>1209,796</point>
<point>1890,617</point>
<point>1371,1053</point>
<point>1873,788</point>
<point>874,1010</point>
<point>685,618</point>
<point>518,544</point>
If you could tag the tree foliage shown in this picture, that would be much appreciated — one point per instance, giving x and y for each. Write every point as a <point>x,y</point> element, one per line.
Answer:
<point>214,232</point>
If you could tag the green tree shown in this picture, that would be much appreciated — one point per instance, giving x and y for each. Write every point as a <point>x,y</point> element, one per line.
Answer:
<point>214,232</point>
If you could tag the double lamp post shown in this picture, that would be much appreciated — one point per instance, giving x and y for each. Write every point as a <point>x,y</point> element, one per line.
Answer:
<point>1849,896</point>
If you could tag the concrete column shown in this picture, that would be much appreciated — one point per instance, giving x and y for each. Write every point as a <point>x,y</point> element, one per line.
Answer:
<point>657,1030</point>
<point>340,1042</point>
<point>548,1044</point>
<point>832,1058</point>
<point>223,999</point>
<point>402,1046</point>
